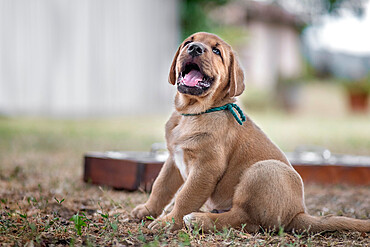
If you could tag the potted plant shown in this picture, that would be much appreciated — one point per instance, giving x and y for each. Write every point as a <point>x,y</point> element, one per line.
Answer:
<point>358,94</point>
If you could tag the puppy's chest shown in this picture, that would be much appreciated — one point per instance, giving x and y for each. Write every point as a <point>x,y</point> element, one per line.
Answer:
<point>179,142</point>
<point>181,138</point>
<point>180,162</point>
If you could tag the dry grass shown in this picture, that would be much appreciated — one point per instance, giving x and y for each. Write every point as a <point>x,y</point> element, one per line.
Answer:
<point>41,185</point>
<point>42,215</point>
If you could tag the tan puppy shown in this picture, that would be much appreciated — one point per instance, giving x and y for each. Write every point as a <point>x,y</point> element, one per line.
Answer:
<point>230,168</point>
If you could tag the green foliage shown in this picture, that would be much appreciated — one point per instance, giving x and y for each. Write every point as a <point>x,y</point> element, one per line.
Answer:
<point>150,217</point>
<point>141,237</point>
<point>153,243</point>
<point>79,221</point>
<point>184,238</point>
<point>59,202</point>
<point>281,231</point>
<point>334,6</point>
<point>359,86</point>
<point>194,15</point>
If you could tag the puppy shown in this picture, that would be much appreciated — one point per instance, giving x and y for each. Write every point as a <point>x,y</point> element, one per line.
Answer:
<point>221,159</point>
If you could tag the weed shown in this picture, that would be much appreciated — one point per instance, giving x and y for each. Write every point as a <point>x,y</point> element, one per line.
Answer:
<point>184,238</point>
<point>79,222</point>
<point>281,231</point>
<point>150,217</point>
<point>153,243</point>
<point>141,237</point>
<point>59,202</point>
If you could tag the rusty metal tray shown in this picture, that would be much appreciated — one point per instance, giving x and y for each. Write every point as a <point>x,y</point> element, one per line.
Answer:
<point>127,170</point>
<point>137,170</point>
<point>319,165</point>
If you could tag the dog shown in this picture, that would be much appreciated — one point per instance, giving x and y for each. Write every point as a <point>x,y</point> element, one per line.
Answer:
<point>220,159</point>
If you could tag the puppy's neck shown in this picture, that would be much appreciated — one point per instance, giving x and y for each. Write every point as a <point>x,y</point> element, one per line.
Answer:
<point>186,104</point>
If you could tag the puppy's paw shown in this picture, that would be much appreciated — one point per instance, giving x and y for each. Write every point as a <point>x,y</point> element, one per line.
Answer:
<point>166,223</point>
<point>189,220</point>
<point>156,225</point>
<point>199,220</point>
<point>141,211</point>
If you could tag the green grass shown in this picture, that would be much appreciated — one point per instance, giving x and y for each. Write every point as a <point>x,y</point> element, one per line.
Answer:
<point>46,134</point>
<point>341,134</point>
<point>348,134</point>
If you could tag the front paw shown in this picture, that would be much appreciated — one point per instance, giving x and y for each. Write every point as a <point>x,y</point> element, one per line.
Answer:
<point>199,220</point>
<point>166,223</point>
<point>141,211</point>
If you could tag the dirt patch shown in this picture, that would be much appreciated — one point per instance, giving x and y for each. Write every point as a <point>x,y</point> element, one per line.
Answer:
<point>43,200</point>
<point>45,214</point>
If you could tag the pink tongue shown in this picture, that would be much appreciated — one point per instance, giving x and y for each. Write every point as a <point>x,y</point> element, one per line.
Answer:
<point>192,78</point>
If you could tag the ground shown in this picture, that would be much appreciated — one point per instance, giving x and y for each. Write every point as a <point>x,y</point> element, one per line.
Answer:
<point>44,201</point>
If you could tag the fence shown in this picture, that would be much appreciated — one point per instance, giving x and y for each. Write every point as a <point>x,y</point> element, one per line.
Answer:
<point>86,57</point>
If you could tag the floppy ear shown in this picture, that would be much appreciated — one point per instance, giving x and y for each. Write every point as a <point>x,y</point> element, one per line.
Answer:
<point>236,76</point>
<point>172,75</point>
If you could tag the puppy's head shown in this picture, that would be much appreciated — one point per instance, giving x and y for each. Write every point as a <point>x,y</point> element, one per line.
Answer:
<point>203,65</point>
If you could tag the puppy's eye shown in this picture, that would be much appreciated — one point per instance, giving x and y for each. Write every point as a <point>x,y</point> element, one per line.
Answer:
<point>216,51</point>
<point>187,42</point>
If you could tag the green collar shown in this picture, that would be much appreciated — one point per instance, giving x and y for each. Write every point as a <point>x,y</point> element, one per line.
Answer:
<point>228,107</point>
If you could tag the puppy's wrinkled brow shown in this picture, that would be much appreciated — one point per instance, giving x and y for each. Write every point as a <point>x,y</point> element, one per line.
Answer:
<point>222,59</point>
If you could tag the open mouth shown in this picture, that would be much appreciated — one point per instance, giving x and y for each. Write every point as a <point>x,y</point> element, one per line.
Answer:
<point>192,77</point>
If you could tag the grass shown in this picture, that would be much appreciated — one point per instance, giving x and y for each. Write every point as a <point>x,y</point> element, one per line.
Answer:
<point>44,201</point>
<point>341,134</point>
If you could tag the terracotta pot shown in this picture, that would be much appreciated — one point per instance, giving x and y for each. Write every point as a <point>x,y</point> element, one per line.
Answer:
<point>358,101</point>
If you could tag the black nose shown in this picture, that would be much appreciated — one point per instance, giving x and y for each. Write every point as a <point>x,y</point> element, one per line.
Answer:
<point>195,49</point>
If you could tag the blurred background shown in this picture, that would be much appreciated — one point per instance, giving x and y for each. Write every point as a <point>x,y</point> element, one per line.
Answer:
<point>92,74</point>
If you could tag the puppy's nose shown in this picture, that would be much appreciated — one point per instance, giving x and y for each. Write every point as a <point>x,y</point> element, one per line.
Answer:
<point>195,49</point>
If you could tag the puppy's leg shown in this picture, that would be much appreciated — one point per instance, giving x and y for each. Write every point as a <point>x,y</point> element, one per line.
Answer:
<point>268,196</point>
<point>235,218</point>
<point>165,186</point>
<point>195,192</point>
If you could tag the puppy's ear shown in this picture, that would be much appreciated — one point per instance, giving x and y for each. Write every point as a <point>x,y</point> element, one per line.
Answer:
<point>172,75</point>
<point>236,76</point>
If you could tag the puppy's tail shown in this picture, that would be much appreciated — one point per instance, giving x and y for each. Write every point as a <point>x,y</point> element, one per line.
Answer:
<point>305,222</point>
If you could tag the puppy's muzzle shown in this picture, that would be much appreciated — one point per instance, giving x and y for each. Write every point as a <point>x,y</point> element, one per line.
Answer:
<point>195,49</point>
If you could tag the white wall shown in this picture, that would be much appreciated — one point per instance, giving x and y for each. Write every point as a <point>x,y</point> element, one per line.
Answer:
<point>86,57</point>
<point>273,50</point>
